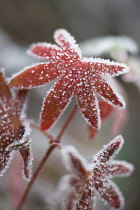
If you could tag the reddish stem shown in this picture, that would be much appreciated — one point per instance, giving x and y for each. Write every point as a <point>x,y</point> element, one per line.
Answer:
<point>54,144</point>
<point>49,151</point>
<point>67,123</point>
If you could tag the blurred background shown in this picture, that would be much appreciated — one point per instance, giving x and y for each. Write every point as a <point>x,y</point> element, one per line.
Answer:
<point>28,21</point>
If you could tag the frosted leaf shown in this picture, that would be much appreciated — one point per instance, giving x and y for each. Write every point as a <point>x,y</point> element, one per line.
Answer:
<point>35,75</point>
<point>80,191</point>
<point>14,134</point>
<point>77,73</point>
<point>105,67</point>
<point>117,168</point>
<point>20,102</point>
<point>88,105</point>
<point>109,151</point>
<point>109,44</point>
<point>56,101</point>
<point>87,199</point>
<point>107,92</point>
<point>67,43</point>
<point>70,189</point>
<point>5,161</point>
<point>45,51</point>
<point>109,193</point>
<point>74,162</point>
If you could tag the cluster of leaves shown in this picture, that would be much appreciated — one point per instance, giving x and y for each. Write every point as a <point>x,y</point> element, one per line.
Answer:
<point>89,180</point>
<point>87,78</point>
<point>14,130</point>
<point>83,77</point>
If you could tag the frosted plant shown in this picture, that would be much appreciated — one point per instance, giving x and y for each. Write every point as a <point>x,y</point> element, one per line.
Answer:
<point>117,47</point>
<point>83,77</point>
<point>88,181</point>
<point>14,130</point>
<point>90,80</point>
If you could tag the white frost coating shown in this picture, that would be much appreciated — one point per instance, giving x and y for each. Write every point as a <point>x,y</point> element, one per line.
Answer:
<point>62,111</point>
<point>7,165</point>
<point>69,151</point>
<point>109,63</point>
<point>46,45</point>
<point>102,186</point>
<point>123,163</point>
<point>69,39</point>
<point>119,97</point>
<point>63,191</point>
<point>26,144</point>
<point>118,138</point>
<point>98,114</point>
<point>23,141</point>
<point>116,189</point>
<point>30,158</point>
<point>24,69</point>
<point>103,45</point>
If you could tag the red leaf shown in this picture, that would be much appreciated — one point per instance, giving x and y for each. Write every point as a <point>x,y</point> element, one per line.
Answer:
<point>70,63</point>
<point>100,66</point>
<point>103,89</point>
<point>110,193</point>
<point>110,150</point>
<point>45,51</point>
<point>119,168</point>
<point>67,43</point>
<point>88,105</point>
<point>36,75</point>
<point>55,102</point>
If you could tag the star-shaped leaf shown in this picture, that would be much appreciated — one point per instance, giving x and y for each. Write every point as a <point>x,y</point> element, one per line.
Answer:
<point>83,77</point>
<point>14,131</point>
<point>90,180</point>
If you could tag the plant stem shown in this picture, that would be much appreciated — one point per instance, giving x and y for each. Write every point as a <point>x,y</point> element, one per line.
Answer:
<point>49,151</point>
<point>67,123</point>
<point>54,143</point>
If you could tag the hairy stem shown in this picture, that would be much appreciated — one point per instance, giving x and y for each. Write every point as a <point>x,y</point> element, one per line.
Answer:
<point>49,151</point>
<point>54,144</point>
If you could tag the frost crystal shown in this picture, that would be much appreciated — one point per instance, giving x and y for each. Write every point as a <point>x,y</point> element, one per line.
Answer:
<point>14,134</point>
<point>83,77</point>
<point>90,180</point>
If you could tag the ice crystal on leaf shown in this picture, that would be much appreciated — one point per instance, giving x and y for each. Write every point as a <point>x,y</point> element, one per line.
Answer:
<point>90,180</point>
<point>83,77</point>
<point>14,131</point>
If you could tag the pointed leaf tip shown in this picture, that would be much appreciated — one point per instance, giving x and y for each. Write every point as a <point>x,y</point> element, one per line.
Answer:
<point>110,150</point>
